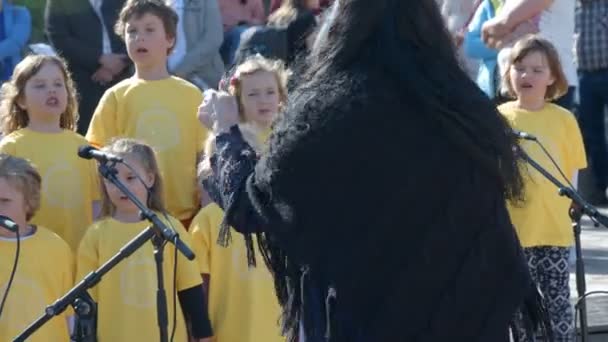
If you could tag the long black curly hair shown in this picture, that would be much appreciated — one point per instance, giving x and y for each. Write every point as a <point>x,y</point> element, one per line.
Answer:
<point>407,42</point>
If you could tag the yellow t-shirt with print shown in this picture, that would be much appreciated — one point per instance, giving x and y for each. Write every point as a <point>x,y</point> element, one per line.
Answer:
<point>70,184</point>
<point>242,302</point>
<point>44,273</point>
<point>126,296</point>
<point>543,218</point>
<point>163,114</point>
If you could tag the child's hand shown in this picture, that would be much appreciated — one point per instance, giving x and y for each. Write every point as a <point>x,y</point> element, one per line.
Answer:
<point>205,111</point>
<point>219,111</point>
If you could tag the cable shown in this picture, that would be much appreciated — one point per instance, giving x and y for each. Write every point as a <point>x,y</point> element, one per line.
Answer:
<point>578,302</point>
<point>10,280</point>
<point>136,175</point>
<point>554,163</point>
<point>174,292</point>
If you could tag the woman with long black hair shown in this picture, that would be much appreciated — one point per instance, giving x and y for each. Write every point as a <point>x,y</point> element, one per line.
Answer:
<point>379,204</point>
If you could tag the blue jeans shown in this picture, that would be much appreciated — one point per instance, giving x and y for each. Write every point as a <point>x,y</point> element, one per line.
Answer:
<point>232,39</point>
<point>593,101</point>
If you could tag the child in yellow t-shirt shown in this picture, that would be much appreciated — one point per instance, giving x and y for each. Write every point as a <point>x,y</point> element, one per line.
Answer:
<point>534,77</point>
<point>44,270</point>
<point>39,114</point>
<point>126,296</point>
<point>243,305</point>
<point>154,106</point>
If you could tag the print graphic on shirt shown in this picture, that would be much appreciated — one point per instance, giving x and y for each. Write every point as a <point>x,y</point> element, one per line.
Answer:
<point>62,187</point>
<point>158,127</point>
<point>24,303</point>
<point>138,281</point>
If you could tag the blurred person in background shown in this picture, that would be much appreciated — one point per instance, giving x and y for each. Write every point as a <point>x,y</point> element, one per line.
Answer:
<point>15,29</point>
<point>196,56</point>
<point>82,31</point>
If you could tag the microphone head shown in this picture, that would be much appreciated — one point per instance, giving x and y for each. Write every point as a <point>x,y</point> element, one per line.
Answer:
<point>8,223</point>
<point>84,151</point>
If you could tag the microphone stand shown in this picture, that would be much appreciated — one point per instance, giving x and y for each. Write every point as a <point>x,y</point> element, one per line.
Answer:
<point>158,232</point>
<point>581,207</point>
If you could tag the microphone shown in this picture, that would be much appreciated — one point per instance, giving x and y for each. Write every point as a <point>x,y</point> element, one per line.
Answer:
<point>523,135</point>
<point>90,152</point>
<point>8,224</point>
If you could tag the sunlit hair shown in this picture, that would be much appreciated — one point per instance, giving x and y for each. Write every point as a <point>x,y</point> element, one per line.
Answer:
<point>523,48</point>
<point>13,116</point>
<point>143,154</point>
<point>252,65</point>
<point>287,12</point>
<point>22,175</point>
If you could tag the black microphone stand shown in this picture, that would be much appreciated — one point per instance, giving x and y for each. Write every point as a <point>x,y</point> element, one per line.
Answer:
<point>581,207</point>
<point>158,233</point>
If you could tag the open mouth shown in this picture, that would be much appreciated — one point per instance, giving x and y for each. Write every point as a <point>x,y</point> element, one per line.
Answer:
<point>52,101</point>
<point>526,86</point>
<point>141,50</point>
<point>123,198</point>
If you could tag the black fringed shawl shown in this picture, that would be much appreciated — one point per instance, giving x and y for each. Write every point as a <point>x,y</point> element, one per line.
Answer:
<point>366,192</point>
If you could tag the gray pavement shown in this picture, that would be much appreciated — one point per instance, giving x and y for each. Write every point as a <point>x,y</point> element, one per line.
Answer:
<point>594,241</point>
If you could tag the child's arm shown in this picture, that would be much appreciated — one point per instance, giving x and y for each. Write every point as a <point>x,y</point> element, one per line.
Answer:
<point>194,308</point>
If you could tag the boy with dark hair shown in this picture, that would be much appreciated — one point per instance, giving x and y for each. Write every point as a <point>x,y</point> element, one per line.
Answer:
<point>154,106</point>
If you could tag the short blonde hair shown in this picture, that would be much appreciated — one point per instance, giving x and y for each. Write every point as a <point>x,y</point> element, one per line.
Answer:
<point>144,154</point>
<point>530,44</point>
<point>25,178</point>
<point>12,115</point>
<point>252,65</point>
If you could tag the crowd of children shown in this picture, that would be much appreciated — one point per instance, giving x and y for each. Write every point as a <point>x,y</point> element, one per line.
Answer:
<point>71,221</point>
<point>149,120</point>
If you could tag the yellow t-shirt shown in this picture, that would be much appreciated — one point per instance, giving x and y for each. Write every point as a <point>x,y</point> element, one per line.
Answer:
<point>163,114</point>
<point>70,184</point>
<point>543,219</point>
<point>243,305</point>
<point>126,295</point>
<point>44,273</point>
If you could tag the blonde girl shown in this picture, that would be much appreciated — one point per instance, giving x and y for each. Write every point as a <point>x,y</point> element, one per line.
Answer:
<point>127,295</point>
<point>39,111</point>
<point>242,302</point>
<point>533,78</point>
